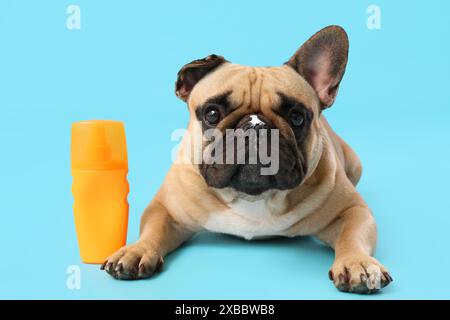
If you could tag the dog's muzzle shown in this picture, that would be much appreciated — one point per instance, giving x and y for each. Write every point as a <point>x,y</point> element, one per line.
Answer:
<point>255,151</point>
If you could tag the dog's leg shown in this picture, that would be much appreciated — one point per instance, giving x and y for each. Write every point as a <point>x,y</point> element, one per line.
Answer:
<point>353,236</point>
<point>160,234</point>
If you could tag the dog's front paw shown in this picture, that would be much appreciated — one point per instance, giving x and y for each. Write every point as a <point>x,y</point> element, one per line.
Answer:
<point>359,274</point>
<point>133,262</point>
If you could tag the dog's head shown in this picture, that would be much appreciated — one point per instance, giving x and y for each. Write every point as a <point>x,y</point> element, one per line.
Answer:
<point>277,108</point>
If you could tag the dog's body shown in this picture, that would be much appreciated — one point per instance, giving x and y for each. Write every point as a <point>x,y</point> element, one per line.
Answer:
<point>312,194</point>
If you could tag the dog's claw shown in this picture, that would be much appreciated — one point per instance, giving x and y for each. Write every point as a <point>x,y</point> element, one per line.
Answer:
<point>142,273</point>
<point>330,275</point>
<point>108,267</point>
<point>387,279</point>
<point>160,264</point>
<point>388,276</point>
<point>119,267</point>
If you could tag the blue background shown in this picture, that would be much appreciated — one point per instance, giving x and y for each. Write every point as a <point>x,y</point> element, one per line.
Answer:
<point>393,108</point>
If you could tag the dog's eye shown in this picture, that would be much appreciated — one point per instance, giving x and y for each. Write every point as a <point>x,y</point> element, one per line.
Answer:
<point>212,115</point>
<point>296,118</point>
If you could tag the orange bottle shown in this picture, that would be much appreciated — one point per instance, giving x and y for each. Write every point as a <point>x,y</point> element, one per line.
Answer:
<point>100,187</point>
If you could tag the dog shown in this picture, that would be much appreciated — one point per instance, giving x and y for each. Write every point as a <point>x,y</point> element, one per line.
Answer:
<point>312,192</point>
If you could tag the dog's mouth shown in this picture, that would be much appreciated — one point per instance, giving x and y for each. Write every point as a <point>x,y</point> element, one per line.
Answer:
<point>247,179</point>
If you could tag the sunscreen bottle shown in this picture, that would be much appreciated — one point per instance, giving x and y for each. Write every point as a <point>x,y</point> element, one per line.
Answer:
<point>100,187</point>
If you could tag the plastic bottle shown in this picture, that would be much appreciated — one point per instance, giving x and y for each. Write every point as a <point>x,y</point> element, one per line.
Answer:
<point>100,187</point>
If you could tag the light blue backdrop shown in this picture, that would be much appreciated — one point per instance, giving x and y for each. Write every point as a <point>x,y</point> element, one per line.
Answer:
<point>393,108</point>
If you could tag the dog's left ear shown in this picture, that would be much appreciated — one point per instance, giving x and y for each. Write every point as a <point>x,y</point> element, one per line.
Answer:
<point>321,61</point>
<point>191,73</point>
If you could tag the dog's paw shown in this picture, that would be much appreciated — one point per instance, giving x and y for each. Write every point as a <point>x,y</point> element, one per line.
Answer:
<point>359,274</point>
<point>133,262</point>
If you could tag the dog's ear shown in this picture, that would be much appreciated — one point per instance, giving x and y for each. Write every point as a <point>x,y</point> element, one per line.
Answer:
<point>191,73</point>
<point>321,61</point>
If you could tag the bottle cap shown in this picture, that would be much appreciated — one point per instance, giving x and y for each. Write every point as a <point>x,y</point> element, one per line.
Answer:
<point>98,145</point>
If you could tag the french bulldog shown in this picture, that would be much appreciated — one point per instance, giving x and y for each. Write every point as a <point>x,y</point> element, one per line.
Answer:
<point>310,192</point>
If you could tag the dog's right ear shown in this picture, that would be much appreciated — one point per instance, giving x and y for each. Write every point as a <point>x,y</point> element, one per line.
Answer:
<point>191,73</point>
